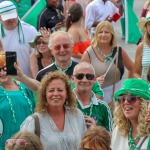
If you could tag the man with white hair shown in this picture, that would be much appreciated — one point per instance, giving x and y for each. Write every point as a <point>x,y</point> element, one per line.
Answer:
<point>16,34</point>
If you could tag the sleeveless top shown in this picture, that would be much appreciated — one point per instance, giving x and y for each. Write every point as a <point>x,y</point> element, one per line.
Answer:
<point>145,61</point>
<point>40,63</point>
<point>101,67</point>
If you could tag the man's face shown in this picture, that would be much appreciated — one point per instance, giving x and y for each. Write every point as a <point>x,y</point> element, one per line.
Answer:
<point>10,24</point>
<point>53,3</point>
<point>86,83</point>
<point>62,48</point>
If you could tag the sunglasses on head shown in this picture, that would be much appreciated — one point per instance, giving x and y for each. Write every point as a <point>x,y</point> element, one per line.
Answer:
<point>21,143</point>
<point>58,47</point>
<point>41,42</point>
<point>80,76</point>
<point>129,98</point>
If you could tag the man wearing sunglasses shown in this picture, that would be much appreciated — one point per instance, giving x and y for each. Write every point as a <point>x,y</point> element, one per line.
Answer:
<point>61,45</point>
<point>84,79</point>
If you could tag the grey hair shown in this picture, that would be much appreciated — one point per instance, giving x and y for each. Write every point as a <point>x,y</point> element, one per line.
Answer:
<point>50,45</point>
<point>83,64</point>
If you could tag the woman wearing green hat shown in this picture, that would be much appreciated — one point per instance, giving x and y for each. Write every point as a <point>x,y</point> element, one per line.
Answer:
<point>131,130</point>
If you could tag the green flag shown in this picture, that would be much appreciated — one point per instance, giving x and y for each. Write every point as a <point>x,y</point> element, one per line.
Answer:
<point>31,15</point>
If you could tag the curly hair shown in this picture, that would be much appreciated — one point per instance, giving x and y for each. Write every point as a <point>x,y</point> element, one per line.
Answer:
<point>75,13</point>
<point>96,136</point>
<point>32,141</point>
<point>107,24</point>
<point>124,124</point>
<point>146,38</point>
<point>48,78</point>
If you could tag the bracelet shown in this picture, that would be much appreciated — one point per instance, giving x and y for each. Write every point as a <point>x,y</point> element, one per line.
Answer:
<point>120,4</point>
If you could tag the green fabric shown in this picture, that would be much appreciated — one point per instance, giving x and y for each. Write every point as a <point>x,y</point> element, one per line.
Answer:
<point>122,21</point>
<point>31,16</point>
<point>22,7</point>
<point>148,147</point>
<point>132,31</point>
<point>21,109</point>
<point>134,86</point>
<point>96,88</point>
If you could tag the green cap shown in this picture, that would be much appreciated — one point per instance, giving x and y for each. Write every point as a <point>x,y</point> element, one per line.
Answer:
<point>134,86</point>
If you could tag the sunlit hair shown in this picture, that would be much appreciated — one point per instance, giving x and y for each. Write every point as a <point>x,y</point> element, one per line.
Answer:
<point>110,28</point>
<point>59,33</point>
<point>36,51</point>
<point>146,38</point>
<point>95,137</point>
<point>75,13</point>
<point>83,64</point>
<point>124,124</point>
<point>47,79</point>
<point>32,141</point>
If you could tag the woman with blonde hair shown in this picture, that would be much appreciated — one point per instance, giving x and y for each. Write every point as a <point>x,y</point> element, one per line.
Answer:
<point>131,130</point>
<point>108,59</point>
<point>61,123</point>
<point>24,140</point>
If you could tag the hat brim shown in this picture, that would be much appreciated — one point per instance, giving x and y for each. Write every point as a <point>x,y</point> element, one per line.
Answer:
<point>9,15</point>
<point>141,23</point>
<point>32,42</point>
<point>144,95</point>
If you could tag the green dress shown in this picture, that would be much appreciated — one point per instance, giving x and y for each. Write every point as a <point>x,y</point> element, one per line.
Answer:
<point>13,111</point>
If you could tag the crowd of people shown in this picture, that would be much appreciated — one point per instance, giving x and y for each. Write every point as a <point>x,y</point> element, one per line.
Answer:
<point>68,92</point>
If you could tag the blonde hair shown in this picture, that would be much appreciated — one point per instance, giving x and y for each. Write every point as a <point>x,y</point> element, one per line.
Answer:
<point>42,101</point>
<point>108,25</point>
<point>96,136</point>
<point>33,142</point>
<point>124,124</point>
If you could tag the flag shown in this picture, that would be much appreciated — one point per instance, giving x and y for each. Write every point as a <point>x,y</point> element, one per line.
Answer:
<point>31,15</point>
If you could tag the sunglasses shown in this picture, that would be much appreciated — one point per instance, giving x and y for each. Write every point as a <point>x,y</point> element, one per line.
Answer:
<point>130,98</point>
<point>58,47</point>
<point>41,42</point>
<point>80,76</point>
<point>21,143</point>
<point>4,69</point>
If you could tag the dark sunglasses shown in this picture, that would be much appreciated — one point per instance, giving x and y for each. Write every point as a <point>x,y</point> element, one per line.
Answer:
<point>80,76</point>
<point>41,42</point>
<point>4,69</point>
<point>129,98</point>
<point>20,143</point>
<point>58,47</point>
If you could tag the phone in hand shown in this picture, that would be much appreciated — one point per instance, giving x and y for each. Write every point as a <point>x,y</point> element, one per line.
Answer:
<point>11,58</point>
<point>115,17</point>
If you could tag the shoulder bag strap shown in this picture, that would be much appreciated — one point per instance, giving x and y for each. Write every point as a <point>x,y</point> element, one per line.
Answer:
<point>37,125</point>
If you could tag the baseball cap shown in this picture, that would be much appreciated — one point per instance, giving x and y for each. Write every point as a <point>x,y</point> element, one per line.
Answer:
<point>7,10</point>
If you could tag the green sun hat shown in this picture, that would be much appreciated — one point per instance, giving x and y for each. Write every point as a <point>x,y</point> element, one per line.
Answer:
<point>134,86</point>
<point>32,42</point>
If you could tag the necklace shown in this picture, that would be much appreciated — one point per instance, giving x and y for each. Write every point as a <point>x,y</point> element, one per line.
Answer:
<point>10,101</point>
<point>106,57</point>
<point>131,141</point>
<point>63,70</point>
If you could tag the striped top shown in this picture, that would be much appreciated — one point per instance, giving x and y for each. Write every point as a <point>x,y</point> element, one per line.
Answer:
<point>145,61</point>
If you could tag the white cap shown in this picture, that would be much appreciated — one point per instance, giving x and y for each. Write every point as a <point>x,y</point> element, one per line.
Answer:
<point>8,10</point>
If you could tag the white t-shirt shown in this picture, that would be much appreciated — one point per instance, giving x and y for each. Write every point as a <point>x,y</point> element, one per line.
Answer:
<point>11,43</point>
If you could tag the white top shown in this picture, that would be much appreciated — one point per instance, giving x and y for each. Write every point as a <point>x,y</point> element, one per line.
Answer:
<point>97,11</point>
<point>54,139</point>
<point>121,143</point>
<point>11,43</point>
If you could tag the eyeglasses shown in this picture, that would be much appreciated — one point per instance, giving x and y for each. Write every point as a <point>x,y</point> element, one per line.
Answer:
<point>130,98</point>
<point>58,14</point>
<point>4,69</point>
<point>21,143</point>
<point>41,42</point>
<point>80,76</point>
<point>58,47</point>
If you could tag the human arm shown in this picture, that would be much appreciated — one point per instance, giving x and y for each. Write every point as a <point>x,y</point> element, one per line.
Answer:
<point>144,10</point>
<point>128,63</point>
<point>45,34</point>
<point>89,121</point>
<point>138,61</point>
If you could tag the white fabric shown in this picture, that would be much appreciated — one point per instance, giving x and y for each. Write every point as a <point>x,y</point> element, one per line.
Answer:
<point>121,143</point>
<point>11,43</point>
<point>54,139</point>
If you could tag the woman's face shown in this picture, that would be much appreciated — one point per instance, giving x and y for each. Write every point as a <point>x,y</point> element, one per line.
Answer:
<point>148,27</point>
<point>3,76</point>
<point>131,109</point>
<point>147,118</point>
<point>41,45</point>
<point>56,93</point>
<point>104,36</point>
<point>87,146</point>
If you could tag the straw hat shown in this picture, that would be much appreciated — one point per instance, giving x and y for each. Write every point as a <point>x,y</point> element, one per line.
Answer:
<point>143,21</point>
<point>134,86</point>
